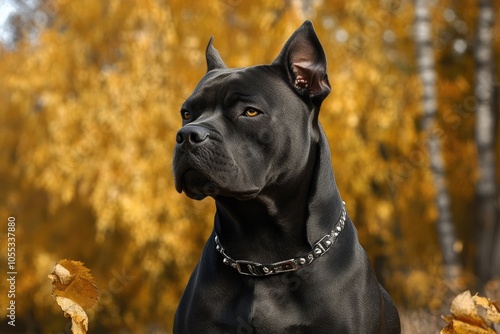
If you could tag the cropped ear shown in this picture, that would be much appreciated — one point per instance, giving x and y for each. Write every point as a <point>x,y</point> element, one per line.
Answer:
<point>305,62</point>
<point>214,61</point>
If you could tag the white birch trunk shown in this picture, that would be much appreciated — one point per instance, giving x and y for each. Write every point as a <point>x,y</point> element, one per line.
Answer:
<point>425,60</point>
<point>488,248</point>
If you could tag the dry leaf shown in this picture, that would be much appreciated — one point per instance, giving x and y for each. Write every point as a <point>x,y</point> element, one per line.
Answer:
<point>492,311</point>
<point>461,327</point>
<point>74,289</point>
<point>79,319</point>
<point>64,275</point>
<point>471,315</point>
<point>464,308</point>
<point>448,329</point>
<point>71,279</point>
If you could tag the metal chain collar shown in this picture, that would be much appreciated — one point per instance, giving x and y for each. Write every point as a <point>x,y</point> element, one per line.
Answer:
<point>252,268</point>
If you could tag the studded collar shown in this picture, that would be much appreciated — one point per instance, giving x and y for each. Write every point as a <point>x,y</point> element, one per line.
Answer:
<point>251,268</point>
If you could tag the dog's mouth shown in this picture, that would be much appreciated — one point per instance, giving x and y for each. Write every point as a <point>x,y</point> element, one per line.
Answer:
<point>195,184</point>
<point>198,180</point>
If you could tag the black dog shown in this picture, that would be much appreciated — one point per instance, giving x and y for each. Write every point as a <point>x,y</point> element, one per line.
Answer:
<point>283,256</point>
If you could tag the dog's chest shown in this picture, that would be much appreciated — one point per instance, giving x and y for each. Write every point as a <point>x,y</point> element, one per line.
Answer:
<point>277,309</point>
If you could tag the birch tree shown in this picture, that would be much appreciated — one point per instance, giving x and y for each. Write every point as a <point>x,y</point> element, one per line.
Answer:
<point>426,67</point>
<point>488,248</point>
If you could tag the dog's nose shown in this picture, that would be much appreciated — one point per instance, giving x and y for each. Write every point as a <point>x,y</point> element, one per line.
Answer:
<point>191,135</point>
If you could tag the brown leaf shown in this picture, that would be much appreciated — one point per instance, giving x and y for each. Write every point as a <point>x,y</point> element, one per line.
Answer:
<point>64,275</point>
<point>461,327</point>
<point>470,315</point>
<point>448,329</point>
<point>79,319</point>
<point>464,308</point>
<point>71,279</point>
<point>492,312</point>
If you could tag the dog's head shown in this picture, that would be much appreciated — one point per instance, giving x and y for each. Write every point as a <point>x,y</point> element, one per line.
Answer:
<point>247,128</point>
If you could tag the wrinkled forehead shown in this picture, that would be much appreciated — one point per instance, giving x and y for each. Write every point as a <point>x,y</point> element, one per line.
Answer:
<point>225,85</point>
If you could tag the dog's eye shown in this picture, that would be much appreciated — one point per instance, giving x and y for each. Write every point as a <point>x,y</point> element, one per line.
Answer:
<point>185,114</point>
<point>251,112</point>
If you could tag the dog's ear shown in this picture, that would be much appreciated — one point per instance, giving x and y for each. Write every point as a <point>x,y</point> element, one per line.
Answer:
<point>214,61</point>
<point>305,62</point>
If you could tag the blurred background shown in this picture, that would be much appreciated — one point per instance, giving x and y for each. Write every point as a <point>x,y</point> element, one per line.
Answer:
<point>90,93</point>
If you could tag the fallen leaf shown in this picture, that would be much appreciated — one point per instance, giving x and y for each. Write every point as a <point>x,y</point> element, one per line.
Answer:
<point>492,311</point>
<point>464,308</point>
<point>74,289</point>
<point>471,315</point>
<point>461,327</point>
<point>63,274</point>
<point>71,279</point>
<point>448,329</point>
<point>79,319</point>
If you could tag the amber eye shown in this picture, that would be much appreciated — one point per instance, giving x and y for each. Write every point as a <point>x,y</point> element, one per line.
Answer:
<point>251,112</point>
<point>186,115</point>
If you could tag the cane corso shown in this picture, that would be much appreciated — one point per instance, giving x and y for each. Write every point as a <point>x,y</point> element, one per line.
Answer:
<point>283,256</point>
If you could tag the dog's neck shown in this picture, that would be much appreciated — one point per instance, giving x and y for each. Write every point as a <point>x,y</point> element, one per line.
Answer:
<point>269,229</point>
